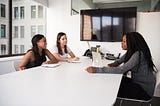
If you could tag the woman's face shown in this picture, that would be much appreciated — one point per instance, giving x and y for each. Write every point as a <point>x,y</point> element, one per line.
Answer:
<point>42,43</point>
<point>63,40</point>
<point>124,43</point>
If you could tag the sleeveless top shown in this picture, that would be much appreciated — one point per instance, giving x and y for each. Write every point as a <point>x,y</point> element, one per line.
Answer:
<point>39,61</point>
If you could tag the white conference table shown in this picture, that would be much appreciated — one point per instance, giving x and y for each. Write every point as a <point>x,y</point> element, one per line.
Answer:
<point>66,85</point>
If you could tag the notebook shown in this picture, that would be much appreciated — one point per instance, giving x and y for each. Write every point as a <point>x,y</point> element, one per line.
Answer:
<point>50,65</point>
<point>96,59</point>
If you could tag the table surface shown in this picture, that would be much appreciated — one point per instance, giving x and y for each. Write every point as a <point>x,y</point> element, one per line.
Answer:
<point>65,85</point>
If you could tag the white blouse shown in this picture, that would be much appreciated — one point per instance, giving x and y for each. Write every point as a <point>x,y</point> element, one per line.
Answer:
<point>65,55</point>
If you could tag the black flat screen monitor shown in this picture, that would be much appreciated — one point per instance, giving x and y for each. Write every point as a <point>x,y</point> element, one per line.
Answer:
<point>107,25</point>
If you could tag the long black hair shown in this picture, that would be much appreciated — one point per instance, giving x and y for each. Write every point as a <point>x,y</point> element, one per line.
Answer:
<point>60,34</point>
<point>136,42</point>
<point>36,38</point>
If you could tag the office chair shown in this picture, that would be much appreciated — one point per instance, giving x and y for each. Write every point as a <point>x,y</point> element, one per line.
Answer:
<point>16,64</point>
<point>135,100</point>
<point>157,87</point>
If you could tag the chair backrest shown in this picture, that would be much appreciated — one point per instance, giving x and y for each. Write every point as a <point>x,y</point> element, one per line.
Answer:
<point>16,64</point>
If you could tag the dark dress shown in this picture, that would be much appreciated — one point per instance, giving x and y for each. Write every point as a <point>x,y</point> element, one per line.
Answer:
<point>38,62</point>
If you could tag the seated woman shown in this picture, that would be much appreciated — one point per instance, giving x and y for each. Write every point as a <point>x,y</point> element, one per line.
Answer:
<point>138,61</point>
<point>61,51</point>
<point>37,55</point>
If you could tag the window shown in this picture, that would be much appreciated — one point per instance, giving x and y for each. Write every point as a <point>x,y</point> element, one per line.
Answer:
<point>18,26</point>
<point>22,12</point>
<point>22,31</point>
<point>16,15</point>
<point>21,48</point>
<point>40,29</point>
<point>40,11</point>
<point>3,49</point>
<point>16,49</point>
<point>33,11</point>
<point>3,31</point>
<point>3,10</point>
<point>15,31</point>
<point>33,30</point>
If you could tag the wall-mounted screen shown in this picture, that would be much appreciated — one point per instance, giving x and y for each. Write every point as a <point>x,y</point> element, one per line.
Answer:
<point>107,25</point>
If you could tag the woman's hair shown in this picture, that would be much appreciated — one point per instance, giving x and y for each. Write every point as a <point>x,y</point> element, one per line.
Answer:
<point>136,42</point>
<point>36,38</point>
<point>60,34</point>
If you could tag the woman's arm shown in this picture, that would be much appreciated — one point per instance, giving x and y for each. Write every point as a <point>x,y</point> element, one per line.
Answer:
<point>117,62</point>
<point>132,62</point>
<point>73,57</point>
<point>51,57</point>
<point>25,60</point>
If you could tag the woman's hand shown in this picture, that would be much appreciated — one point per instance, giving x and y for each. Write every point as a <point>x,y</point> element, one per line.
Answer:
<point>20,68</point>
<point>91,69</point>
<point>112,65</point>
<point>73,59</point>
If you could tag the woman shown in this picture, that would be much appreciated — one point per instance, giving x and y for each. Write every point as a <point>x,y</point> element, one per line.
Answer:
<point>37,55</point>
<point>61,51</point>
<point>138,60</point>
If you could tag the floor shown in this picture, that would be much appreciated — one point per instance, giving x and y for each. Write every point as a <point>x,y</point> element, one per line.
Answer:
<point>154,102</point>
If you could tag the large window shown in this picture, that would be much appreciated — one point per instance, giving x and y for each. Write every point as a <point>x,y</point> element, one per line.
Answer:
<point>21,20</point>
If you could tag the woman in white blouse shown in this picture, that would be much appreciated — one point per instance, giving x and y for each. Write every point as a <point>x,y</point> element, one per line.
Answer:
<point>61,50</point>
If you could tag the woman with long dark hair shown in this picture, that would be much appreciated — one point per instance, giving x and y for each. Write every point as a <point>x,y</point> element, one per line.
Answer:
<point>61,50</point>
<point>37,55</point>
<point>138,61</point>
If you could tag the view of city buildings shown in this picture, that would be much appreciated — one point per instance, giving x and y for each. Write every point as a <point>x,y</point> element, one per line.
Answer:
<point>28,19</point>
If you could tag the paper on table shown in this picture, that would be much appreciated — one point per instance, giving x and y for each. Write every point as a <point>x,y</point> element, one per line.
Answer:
<point>50,65</point>
<point>74,61</point>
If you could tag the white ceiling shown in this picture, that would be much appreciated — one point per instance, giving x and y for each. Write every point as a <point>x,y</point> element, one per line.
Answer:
<point>113,1</point>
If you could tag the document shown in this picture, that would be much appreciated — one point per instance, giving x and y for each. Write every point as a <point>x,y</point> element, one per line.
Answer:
<point>50,65</point>
<point>74,61</point>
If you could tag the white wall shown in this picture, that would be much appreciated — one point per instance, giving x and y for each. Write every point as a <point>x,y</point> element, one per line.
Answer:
<point>148,25</point>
